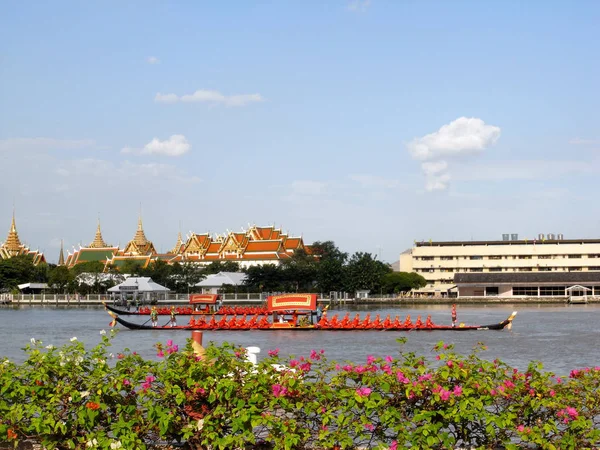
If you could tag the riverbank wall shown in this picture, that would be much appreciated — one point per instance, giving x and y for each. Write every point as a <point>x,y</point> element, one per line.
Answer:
<point>257,299</point>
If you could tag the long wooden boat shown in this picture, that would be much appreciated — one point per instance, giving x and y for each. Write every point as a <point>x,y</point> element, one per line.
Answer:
<point>298,312</point>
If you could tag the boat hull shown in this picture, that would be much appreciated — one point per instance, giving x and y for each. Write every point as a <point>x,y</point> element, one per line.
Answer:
<point>282,327</point>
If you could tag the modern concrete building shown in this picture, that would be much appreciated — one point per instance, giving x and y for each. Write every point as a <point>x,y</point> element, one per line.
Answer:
<point>438,262</point>
<point>560,284</point>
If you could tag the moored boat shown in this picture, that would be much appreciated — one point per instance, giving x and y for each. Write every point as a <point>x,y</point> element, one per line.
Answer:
<point>199,304</point>
<point>301,312</point>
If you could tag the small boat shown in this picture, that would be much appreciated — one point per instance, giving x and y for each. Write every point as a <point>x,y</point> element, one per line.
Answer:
<point>299,312</point>
<point>199,304</point>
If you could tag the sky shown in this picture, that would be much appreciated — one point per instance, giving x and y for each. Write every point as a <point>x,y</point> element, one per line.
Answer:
<point>370,123</point>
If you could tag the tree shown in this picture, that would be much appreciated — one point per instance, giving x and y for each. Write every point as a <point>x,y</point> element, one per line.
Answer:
<point>265,278</point>
<point>221,266</point>
<point>186,276</point>
<point>299,272</point>
<point>365,272</point>
<point>60,279</point>
<point>330,266</point>
<point>395,282</point>
<point>20,269</point>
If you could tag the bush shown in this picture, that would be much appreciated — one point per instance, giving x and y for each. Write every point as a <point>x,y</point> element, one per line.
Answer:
<point>78,399</point>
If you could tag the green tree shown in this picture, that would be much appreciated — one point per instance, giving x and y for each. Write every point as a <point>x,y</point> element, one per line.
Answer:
<point>365,272</point>
<point>331,261</point>
<point>19,270</point>
<point>221,266</point>
<point>395,282</point>
<point>265,278</point>
<point>60,279</point>
<point>299,273</point>
<point>186,275</point>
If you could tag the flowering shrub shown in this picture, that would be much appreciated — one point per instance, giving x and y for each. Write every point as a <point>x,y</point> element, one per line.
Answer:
<point>78,399</point>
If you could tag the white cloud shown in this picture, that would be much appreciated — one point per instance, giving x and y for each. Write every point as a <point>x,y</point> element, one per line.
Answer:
<point>44,144</point>
<point>579,141</point>
<point>461,137</point>
<point>165,98</point>
<point>358,5</point>
<point>176,145</point>
<point>152,60</point>
<point>210,96</point>
<point>308,187</point>
<point>366,180</point>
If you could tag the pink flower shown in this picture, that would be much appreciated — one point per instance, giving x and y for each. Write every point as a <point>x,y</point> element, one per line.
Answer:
<point>363,391</point>
<point>389,358</point>
<point>457,391</point>
<point>450,364</point>
<point>126,382</point>
<point>169,343</point>
<point>552,393</point>
<point>444,394</point>
<point>370,359</point>
<point>274,352</point>
<point>369,426</point>
<point>574,373</point>
<point>160,354</point>
<point>521,428</point>
<point>425,377</point>
<point>279,390</point>
<point>294,363</point>
<point>402,378</point>
<point>393,446</point>
<point>492,392</point>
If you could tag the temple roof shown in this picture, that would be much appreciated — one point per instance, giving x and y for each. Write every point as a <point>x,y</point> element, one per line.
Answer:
<point>98,242</point>
<point>178,246</point>
<point>61,255</point>
<point>12,245</point>
<point>140,238</point>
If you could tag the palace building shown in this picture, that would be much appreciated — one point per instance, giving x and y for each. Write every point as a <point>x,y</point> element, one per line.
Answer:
<point>98,250</point>
<point>255,246</point>
<point>444,263</point>
<point>12,246</point>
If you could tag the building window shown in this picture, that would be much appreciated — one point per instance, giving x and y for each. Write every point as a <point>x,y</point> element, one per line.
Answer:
<point>525,269</point>
<point>495,257</point>
<point>552,291</point>
<point>594,268</point>
<point>530,291</point>
<point>476,269</point>
<point>594,256</point>
<point>495,269</point>
<point>524,256</point>
<point>447,258</point>
<point>575,269</point>
<point>545,257</point>
<point>426,258</point>
<point>544,269</point>
<point>491,291</point>
<point>574,256</point>
<point>476,257</point>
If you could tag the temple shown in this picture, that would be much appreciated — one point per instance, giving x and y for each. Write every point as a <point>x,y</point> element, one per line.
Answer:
<point>98,250</point>
<point>12,246</point>
<point>255,246</point>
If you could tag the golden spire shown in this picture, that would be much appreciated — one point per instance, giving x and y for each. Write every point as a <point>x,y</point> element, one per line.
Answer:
<point>98,242</point>
<point>177,247</point>
<point>61,256</point>
<point>140,237</point>
<point>12,244</point>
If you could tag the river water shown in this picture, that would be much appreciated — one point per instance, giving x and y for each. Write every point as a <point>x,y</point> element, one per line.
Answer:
<point>562,337</point>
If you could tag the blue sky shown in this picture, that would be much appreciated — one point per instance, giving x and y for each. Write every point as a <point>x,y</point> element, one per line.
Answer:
<point>369,123</point>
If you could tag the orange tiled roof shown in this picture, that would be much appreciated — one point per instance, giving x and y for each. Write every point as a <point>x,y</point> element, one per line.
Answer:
<point>262,246</point>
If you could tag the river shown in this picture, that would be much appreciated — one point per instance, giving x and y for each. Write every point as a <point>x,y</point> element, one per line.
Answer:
<point>562,337</point>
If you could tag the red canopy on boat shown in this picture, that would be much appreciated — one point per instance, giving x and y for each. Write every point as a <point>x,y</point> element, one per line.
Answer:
<point>207,299</point>
<point>287,302</point>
